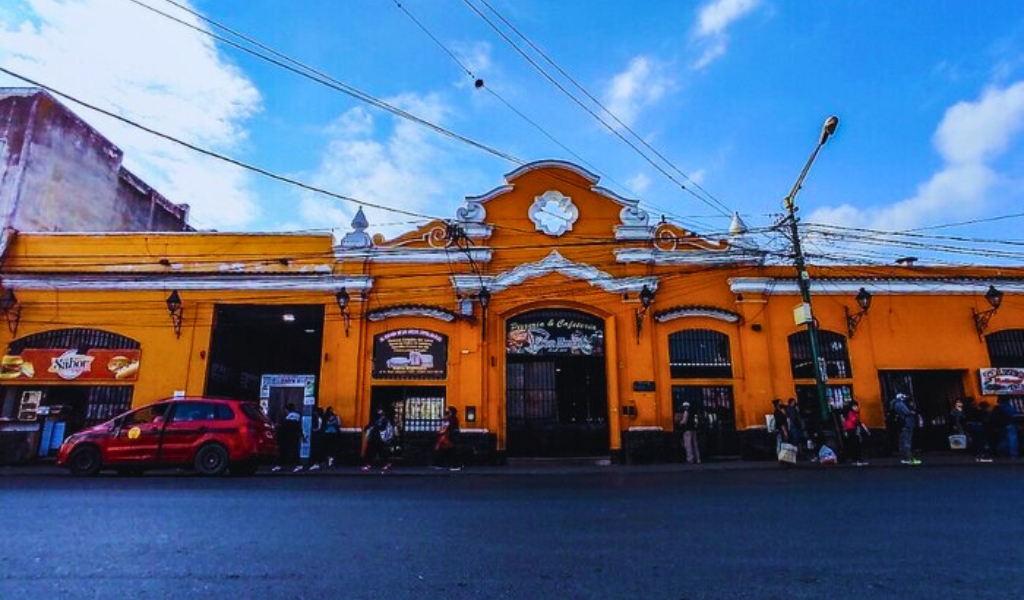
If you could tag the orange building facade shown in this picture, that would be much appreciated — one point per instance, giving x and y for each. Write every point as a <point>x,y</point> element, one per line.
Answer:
<point>559,318</point>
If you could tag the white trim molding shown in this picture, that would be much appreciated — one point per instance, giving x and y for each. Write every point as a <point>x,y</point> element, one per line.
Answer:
<point>680,312</point>
<point>938,286</point>
<point>410,310</point>
<point>195,282</point>
<point>418,256</point>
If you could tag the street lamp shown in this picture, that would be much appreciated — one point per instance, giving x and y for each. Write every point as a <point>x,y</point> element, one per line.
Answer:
<point>342,298</point>
<point>803,279</point>
<point>994,297</point>
<point>174,307</point>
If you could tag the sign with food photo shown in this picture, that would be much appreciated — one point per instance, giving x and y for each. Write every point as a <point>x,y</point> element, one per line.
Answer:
<point>410,354</point>
<point>1005,381</point>
<point>37,364</point>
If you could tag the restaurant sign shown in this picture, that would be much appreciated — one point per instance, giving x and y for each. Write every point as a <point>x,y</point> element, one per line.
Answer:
<point>549,332</point>
<point>410,354</point>
<point>1005,381</point>
<point>37,364</point>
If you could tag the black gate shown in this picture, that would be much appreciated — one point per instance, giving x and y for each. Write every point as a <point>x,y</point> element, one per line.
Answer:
<point>555,387</point>
<point>716,416</point>
<point>934,393</point>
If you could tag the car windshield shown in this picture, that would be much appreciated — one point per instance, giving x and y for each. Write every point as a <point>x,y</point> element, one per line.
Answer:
<point>254,412</point>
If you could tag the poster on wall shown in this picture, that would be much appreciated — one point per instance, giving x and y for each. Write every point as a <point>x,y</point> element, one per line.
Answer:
<point>37,364</point>
<point>410,354</point>
<point>571,333</point>
<point>1005,381</point>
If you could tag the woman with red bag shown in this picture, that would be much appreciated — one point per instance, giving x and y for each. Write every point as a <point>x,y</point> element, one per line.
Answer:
<point>445,450</point>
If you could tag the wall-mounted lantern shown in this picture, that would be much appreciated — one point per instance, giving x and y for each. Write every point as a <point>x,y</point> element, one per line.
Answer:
<point>646,299</point>
<point>852,320</point>
<point>981,319</point>
<point>484,298</point>
<point>11,309</point>
<point>174,307</point>
<point>343,298</point>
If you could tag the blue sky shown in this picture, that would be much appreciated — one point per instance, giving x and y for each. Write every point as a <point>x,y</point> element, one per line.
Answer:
<point>733,93</point>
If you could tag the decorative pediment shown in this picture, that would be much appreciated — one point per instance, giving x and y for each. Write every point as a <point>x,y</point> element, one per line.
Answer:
<point>554,263</point>
<point>411,310</point>
<point>682,312</point>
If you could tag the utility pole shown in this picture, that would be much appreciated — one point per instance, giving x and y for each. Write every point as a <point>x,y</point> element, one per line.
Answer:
<point>803,278</point>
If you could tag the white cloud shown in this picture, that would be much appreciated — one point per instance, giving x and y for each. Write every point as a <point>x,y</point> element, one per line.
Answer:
<point>977,131</point>
<point>402,168</point>
<point>970,136</point>
<point>713,22</point>
<point>640,86</point>
<point>151,70</point>
<point>638,184</point>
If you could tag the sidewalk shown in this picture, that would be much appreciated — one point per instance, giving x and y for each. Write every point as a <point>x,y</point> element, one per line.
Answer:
<point>541,468</point>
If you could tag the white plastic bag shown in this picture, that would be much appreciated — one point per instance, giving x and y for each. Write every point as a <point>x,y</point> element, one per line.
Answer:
<point>826,456</point>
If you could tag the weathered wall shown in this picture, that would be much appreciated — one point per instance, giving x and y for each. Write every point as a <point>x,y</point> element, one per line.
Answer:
<point>60,174</point>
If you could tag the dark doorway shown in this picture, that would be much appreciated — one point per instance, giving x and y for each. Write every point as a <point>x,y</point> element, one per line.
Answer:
<point>557,406</point>
<point>934,393</point>
<point>716,417</point>
<point>250,341</point>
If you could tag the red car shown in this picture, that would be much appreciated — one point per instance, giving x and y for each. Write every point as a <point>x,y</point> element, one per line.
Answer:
<point>209,435</point>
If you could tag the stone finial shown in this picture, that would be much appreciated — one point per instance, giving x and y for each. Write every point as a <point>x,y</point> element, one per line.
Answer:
<point>358,238</point>
<point>737,227</point>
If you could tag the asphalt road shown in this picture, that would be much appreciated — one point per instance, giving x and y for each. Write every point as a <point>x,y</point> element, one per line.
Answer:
<point>939,532</point>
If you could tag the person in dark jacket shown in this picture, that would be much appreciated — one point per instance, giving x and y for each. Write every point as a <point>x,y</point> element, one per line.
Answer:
<point>289,436</point>
<point>905,408</point>
<point>375,450</point>
<point>687,422</point>
<point>332,435</point>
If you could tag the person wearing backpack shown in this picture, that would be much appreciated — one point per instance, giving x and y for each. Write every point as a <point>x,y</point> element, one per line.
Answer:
<point>687,421</point>
<point>904,408</point>
<point>374,447</point>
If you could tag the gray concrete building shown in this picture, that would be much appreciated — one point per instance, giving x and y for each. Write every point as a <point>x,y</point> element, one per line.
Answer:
<point>60,174</point>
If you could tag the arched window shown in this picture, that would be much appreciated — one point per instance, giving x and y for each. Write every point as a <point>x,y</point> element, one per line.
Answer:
<point>78,338</point>
<point>831,348</point>
<point>1006,348</point>
<point>699,353</point>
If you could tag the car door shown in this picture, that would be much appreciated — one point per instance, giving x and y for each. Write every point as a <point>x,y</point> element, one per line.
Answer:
<point>188,423</point>
<point>135,437</point>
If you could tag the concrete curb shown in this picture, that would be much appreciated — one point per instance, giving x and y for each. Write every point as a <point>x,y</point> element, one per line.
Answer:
<point>929,461</point>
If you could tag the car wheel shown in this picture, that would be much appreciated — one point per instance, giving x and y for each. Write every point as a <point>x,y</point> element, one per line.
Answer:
<point>245,468</point>
<point>85,461</point>
<point>211,459</point>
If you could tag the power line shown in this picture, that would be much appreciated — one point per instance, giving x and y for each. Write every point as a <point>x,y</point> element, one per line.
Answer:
<point>279,59</point>
<point>713,203</point>
<point>212,154</point>
<point>320,77</point>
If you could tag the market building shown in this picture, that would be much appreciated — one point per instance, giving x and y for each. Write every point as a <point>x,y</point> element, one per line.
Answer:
<point>559,318</point>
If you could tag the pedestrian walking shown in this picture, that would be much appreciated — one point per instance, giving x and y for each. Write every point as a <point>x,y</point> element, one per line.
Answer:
<point>377,437</point>
<point>687,422</point>
<point>781,424</point>
<point>854,431</point>
<point>904,407</point>
<point>289,436</point>
<point>446,450</point>
<point>1004,429</point>
<point>332,435</point>
<point>795,423</point>
<point>317,455</point>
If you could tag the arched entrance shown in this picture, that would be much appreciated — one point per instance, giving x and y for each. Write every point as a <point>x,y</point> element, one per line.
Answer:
<point>556,389</point>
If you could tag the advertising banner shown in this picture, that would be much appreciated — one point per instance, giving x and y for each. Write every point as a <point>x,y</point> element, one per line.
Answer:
<point>410,354</point>
<point>95,366</point>
<point>1000,382</point>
